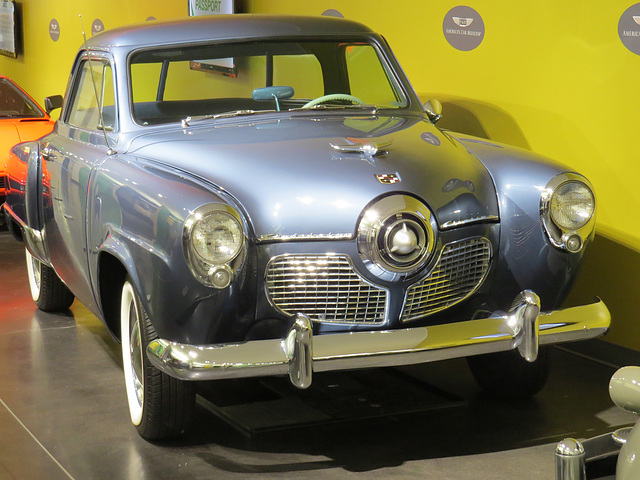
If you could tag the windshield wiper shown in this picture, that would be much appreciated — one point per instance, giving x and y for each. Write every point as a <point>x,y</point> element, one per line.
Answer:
<point>233,113</point>
<point>323,106</point>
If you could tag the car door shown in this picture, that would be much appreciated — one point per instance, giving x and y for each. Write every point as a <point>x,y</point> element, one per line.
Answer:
<point>78,146</point>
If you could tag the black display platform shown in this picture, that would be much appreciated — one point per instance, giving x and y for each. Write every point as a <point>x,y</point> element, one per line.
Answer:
<point>258,405</point>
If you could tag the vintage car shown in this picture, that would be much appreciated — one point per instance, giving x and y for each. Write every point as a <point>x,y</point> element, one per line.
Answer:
<point>21,119</point>
<point>244,195</point>
<point>575,459</point>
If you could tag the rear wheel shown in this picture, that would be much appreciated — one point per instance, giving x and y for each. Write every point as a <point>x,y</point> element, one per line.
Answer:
<point>160,406</point>
<point>508,376</point>
<point>47,290</point>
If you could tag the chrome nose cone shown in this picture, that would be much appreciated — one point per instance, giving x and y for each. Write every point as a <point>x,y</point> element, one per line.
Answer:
<point>403,240</point>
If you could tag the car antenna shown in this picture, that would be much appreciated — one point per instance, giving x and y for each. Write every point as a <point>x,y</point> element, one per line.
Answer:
<point>110,151</point>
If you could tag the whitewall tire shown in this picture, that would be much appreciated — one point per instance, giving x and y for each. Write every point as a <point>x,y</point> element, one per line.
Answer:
<point>160,406</point>
<point>47,290</point>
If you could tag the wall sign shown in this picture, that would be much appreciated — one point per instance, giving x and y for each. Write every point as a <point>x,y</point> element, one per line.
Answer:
<point>225,66</point>
<point>210,7</point>
<point>54,29</point>
<point>8,28</point>
<point>332,13</point>
<point>629,28</point>
<point>97,26</point>
<point>463,28</point>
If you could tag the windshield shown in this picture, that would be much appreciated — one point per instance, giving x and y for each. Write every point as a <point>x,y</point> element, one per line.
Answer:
<point>15,104</point>
<point>169,85</point>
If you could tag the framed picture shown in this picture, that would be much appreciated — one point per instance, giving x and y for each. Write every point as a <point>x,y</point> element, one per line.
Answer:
<point>8,29</point>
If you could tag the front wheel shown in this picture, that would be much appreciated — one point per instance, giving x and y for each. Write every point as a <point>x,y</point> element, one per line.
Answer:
<point>508,376</point>
<point>160,406</point>
<point>47,290</point>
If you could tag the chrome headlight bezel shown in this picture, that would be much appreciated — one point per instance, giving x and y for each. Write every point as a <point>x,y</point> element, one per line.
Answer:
<point>379,229</point>
<point>217,273</point>
<point>566,237</point>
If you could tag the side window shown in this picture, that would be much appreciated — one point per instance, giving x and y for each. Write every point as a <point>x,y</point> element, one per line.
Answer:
<point>302,72</point>
<point>93,94</point>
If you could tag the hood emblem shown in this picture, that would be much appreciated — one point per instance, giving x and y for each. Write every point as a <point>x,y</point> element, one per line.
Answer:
<point>388,178</point>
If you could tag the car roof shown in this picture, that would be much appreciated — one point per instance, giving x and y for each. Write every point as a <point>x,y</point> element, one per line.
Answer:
<point>224,27</point>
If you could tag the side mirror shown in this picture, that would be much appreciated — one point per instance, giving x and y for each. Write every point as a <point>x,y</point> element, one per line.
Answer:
<point>53,102</point>
<point>433,108</point>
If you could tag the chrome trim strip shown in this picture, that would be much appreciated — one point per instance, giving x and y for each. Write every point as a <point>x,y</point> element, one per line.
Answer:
<point>274,237</point>
<point>384,348</point>
<point>469,221</point>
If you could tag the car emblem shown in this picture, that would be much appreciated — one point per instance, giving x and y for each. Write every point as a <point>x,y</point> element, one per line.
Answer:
<point>462,22</point>
<point>388,178</point>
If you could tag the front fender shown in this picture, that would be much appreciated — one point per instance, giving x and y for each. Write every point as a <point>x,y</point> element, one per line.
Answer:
<point>138,215</point>
<point>528,260</point>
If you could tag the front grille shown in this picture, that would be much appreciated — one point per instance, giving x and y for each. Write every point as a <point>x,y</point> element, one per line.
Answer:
<point>2,182</point>
<point>459,272</point>
<point>324,287</point>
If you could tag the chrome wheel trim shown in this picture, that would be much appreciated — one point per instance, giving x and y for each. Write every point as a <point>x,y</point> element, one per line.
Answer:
<point>132,353</point>
<point>34,270</point>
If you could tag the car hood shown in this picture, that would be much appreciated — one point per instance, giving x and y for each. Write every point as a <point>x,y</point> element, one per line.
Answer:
<point>291,182</point>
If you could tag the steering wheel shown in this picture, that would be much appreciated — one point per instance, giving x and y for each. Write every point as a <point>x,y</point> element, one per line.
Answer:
<point>333,96</point>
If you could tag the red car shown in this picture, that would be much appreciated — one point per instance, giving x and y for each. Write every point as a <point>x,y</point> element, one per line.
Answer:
<point>21,119</point>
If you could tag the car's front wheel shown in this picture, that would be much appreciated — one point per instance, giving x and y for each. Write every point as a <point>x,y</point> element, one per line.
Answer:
<point>508,376</point>
<point>160,406</point>
<point>47,290</point>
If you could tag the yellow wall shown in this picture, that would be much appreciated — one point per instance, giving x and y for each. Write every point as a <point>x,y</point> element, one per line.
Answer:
<point>550,76</point>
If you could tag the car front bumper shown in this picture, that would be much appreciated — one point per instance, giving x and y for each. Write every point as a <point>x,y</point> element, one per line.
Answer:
<point>300,353</point>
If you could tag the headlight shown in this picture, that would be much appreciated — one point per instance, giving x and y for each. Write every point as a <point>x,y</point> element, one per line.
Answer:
<point>214,244</point>
<point>572,205</point>
<point>217,238</point>
<point>568,211</point>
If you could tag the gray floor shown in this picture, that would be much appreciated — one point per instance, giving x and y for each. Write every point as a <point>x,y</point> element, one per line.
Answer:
<point>63,413</point>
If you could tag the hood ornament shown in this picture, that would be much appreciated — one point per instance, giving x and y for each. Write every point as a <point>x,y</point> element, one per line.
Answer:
<point>362,146</point>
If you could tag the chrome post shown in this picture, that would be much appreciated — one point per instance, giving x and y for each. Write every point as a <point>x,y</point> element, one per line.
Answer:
<point>524,312</point>
<point>570,460</point>
<point>297,347</point>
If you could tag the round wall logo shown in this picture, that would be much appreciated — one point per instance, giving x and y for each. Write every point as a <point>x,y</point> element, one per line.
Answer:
<point>463,28</point>
<point>54,30</point>
<point>97,26</point>
<point>629,28</point>
<point>332,13</point>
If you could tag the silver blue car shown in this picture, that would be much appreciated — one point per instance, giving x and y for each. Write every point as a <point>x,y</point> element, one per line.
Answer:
<point>240,195</point>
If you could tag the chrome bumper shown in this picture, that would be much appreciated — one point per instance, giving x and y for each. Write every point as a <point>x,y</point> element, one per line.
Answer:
<point>300,353</point>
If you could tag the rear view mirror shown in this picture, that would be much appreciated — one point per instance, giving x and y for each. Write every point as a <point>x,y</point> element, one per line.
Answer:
<point>53,102</point>
<point>266,94</point>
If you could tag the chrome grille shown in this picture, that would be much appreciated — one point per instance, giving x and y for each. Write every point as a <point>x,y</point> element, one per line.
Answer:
<point>459,272</point>
<point>324,287</point>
